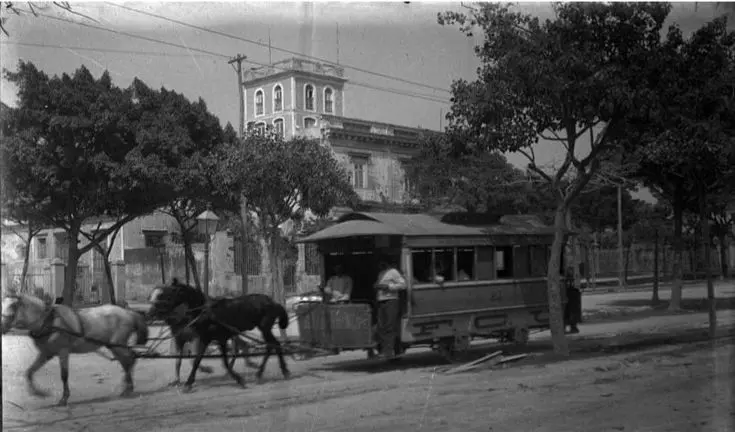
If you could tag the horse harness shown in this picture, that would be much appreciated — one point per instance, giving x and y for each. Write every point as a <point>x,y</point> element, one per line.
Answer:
<point>47,327</point>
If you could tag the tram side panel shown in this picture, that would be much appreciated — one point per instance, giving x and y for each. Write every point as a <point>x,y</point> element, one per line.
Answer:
<point>480,308</point>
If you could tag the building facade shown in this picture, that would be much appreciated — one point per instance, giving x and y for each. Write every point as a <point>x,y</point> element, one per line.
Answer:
<point>299,97</point>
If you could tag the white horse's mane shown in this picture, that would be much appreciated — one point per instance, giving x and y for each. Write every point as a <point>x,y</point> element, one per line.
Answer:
<point>32,299</point>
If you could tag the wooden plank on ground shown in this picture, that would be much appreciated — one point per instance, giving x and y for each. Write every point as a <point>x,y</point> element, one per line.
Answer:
<point>473,364</point>
<point>512,358</point>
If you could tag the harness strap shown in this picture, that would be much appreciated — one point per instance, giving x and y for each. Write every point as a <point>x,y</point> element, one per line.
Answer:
<point>47,327</point>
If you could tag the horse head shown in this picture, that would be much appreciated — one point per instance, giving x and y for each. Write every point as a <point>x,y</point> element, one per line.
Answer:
<point>22,311</point>
<point>174,300</point>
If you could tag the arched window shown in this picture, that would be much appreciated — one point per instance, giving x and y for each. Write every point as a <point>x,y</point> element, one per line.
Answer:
<point>259,128</point>
<point>309,123</point>
<point>328,100</point>
<point>277,98</point>
<point>259,102</point>
<point>309,97</point>
<point>278,126</point>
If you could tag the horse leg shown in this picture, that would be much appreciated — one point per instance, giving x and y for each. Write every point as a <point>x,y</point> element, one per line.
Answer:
<point>127,360</point>
<point>225,361</point>
<point>272,341</point>
<point>267,354</point>
<point>204,368</point>
<point>177,364</point>
<point>64,366</point>
<point>245,348</point>
<point>41,359</point>
<point>201,349</point>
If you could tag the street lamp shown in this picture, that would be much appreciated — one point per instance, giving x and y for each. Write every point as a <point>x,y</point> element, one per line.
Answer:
<point>207,225</point>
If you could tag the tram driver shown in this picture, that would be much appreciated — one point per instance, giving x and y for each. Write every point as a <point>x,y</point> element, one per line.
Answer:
<point>339,286</point>
<point>388,285</point>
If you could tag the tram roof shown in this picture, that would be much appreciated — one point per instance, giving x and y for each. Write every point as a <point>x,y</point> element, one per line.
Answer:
<point>419,225</point>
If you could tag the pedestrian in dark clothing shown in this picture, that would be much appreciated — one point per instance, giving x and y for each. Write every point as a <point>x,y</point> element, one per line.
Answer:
<point>573,308</point>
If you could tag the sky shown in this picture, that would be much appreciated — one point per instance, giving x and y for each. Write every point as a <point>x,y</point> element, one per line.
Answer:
<point>393,39</point>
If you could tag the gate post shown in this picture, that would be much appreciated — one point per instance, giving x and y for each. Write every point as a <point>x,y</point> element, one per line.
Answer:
<point>57,269</point>
<point>118,279</point>
<point>4,277</point>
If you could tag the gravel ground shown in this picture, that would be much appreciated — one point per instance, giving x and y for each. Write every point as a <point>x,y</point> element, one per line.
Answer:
<point>650,373</point>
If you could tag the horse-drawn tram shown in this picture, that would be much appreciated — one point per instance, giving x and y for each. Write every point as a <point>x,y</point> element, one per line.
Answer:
<point>462,280</point>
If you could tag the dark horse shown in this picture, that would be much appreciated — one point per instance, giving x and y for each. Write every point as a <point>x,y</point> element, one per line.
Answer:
<point>221,320</point>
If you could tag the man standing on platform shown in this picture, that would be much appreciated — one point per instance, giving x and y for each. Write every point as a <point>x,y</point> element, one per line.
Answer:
<point>390,282</point>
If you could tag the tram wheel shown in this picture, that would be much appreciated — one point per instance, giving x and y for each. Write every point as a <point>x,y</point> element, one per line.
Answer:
<point>455,349</point>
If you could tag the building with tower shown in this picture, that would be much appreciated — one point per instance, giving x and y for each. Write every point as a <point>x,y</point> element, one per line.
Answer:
<point>298,97</point>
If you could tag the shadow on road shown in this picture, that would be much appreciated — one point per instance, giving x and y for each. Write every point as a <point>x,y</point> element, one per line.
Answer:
<point>540,352</point>
<point>696,305</point>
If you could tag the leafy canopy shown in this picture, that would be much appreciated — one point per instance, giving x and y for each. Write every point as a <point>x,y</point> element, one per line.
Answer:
<point>558,80</point>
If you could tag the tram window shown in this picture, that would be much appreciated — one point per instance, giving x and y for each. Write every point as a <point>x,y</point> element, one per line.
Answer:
<point>421,265</point>
<point>465,264</point>
<point>504,261</point>
<point>485,263</point>
<point>444,263</point>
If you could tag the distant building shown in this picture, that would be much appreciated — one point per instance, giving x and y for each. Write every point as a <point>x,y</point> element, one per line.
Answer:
<point>299,97</point>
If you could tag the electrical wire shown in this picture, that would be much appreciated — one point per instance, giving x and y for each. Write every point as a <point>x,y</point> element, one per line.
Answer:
<point>227,35</point>
<point>105,50</point>
<point>216,54</point>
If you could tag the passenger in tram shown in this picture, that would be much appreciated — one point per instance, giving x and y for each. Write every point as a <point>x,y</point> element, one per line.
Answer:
<point>441,272</point>
<point>388,285</point>
<point>339,286</point>
<point>462,275</point>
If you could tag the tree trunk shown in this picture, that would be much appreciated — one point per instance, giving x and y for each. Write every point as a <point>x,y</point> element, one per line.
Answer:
<point>575,254</point>
<point>722,240</point>
<point>711,301</point>
<point>676,285</point>
<point>70,273</point>
<point>655,298</point>
<point>26,260</point>
<point>556,312</point>
<point>244,239</point>
<point>276,271</point>
<point>626,264</point>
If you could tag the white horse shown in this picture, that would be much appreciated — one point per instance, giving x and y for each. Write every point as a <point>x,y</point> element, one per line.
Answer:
<point>59,330</point>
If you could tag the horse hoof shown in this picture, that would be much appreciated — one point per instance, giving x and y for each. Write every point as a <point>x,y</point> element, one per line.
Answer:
<point>174,383</point>
<point>186,389</point>
<point>287,375</point>
<point>126,393</point>
<point>61,403</point>
<point>206,369</point>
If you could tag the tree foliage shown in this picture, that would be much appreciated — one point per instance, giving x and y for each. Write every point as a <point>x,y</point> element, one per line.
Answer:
<point>185,136</point>
<point>282,180</point>
<point>573,76</point>
<point>72,155</point>
<point>480,182</point>
<point>684,142</point>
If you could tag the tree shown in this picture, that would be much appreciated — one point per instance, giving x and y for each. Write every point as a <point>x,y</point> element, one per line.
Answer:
<point>684,142</point>
<point>282,180</point>
<point>483,182</point>
<point>562,80</point>
<point>185,136</point>
<point>33,9</point>
<point>73,150</point>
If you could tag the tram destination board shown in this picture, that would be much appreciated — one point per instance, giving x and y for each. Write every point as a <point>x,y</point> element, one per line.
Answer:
<point>335,325</point>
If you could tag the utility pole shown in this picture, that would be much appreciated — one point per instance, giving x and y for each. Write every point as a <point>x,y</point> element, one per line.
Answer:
<point>239,59</point>
<point>243,199</point>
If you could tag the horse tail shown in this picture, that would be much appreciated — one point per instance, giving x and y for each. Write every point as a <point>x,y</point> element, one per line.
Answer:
<point>282,317</point>
<point>141,329</point>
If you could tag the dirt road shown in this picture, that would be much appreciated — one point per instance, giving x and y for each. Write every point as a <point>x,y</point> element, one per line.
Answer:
<point>666,388</point>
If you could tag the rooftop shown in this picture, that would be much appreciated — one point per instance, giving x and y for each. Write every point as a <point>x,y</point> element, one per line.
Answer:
<point>294,65</point>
